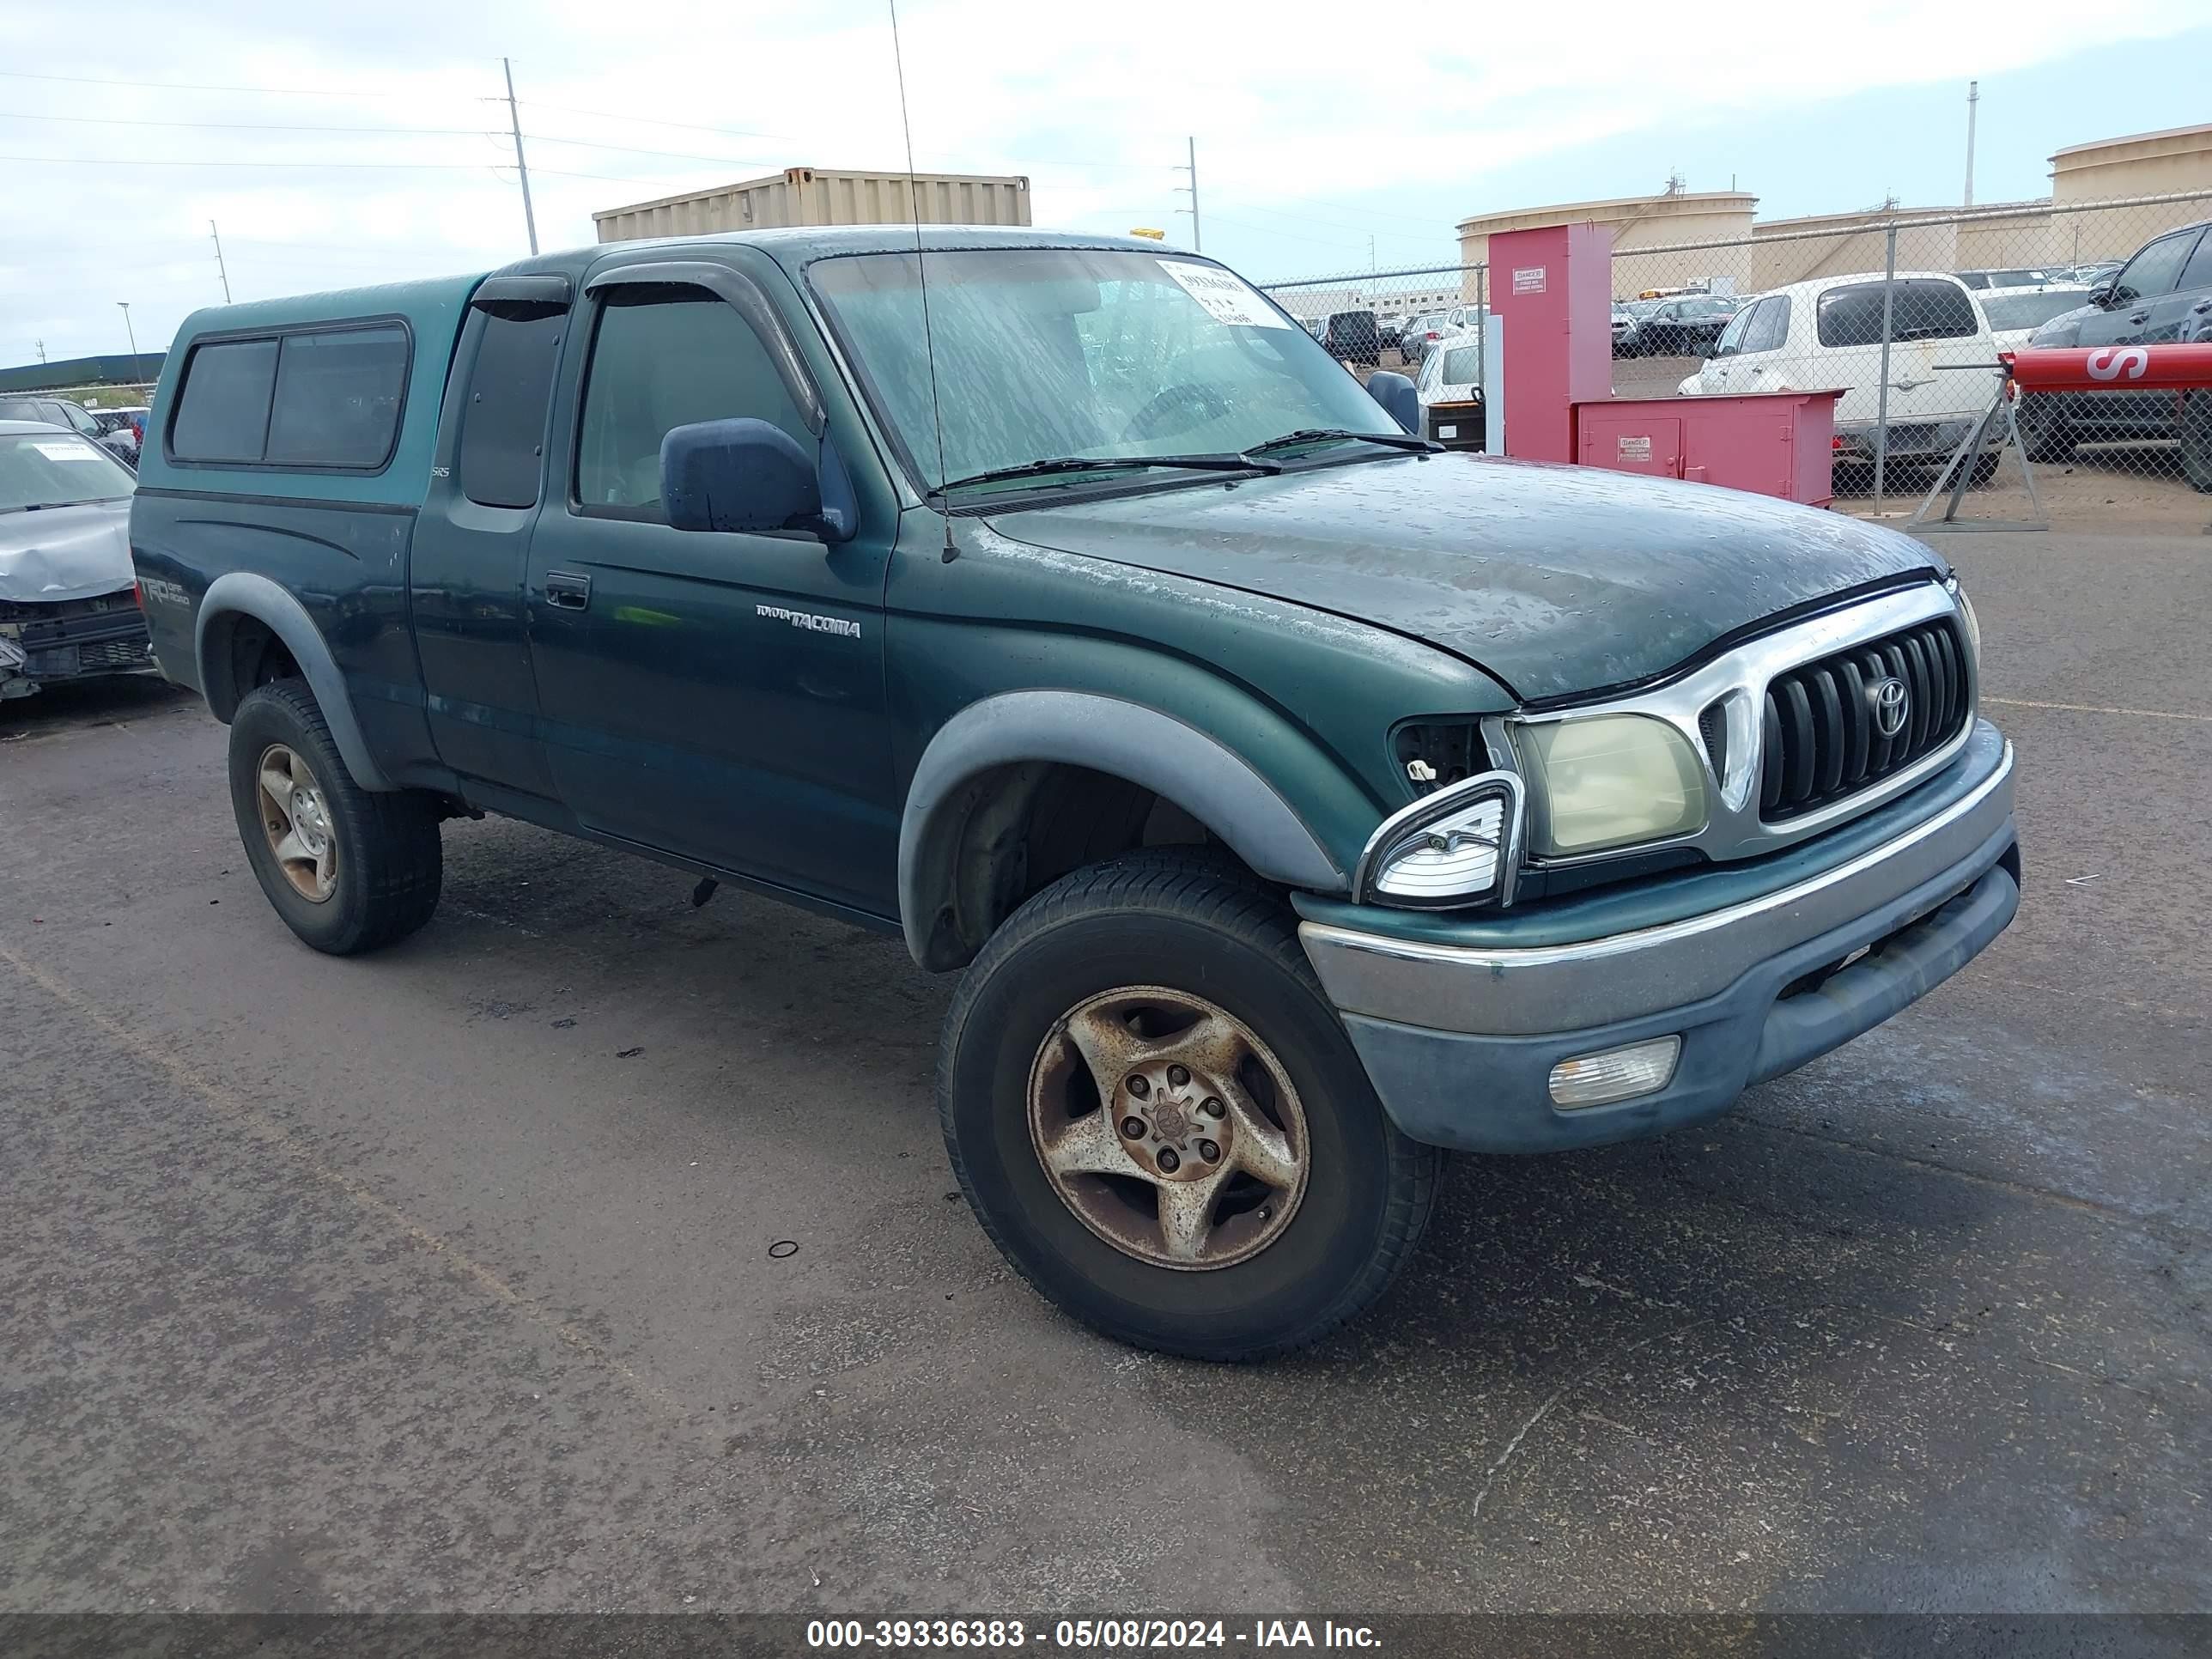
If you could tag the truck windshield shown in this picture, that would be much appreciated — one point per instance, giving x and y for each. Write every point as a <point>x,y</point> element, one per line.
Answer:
<point>56,469</point>
<point>1043,353</point>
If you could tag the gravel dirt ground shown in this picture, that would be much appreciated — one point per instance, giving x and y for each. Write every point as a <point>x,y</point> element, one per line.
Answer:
<point>443,1279</point>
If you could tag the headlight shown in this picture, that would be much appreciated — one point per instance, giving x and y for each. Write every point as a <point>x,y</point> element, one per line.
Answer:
<point>1612,781</point>
<point>1966,616</point>
<point>1457,847</point>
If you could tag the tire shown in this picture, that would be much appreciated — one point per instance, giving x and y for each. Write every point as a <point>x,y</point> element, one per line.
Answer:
<point>2044,434</point>
<point>384,862</point>
<point>1172,928</point>
<point>2196,435</point>
<point>1984,469</point>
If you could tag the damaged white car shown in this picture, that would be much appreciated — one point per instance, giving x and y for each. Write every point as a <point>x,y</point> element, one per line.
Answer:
<point>68,605</point>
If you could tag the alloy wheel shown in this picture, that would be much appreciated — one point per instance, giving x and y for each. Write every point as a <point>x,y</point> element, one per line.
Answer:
<point>1168,1127</point>
<point>295,817</point>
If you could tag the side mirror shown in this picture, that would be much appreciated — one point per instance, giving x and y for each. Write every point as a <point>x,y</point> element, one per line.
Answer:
<point>2103,296</point>
<point>740,474</point>
<point>1397,396</point>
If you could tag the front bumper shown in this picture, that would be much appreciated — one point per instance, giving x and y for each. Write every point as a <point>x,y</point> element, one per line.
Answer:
<point>1460,1039</point>
<point>43,643</point>
<point>1909,440</point>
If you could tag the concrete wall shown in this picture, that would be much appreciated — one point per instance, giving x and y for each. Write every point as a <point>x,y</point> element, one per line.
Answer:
<point>1761,254</point>
<point>2145,164</point>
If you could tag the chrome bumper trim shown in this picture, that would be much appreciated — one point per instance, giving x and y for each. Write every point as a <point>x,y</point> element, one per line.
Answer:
<point>1556,987</point>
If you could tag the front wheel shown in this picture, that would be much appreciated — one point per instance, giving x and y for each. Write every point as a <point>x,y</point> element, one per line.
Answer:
<point>347,868</point>
<point>1159,1120</point>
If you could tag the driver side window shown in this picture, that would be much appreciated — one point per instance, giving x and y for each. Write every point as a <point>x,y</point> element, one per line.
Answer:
<point>1769,327</point>
<point>665,355</point>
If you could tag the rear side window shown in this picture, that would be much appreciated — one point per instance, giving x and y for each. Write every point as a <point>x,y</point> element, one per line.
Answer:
<point>338,396</point>
<point>316,397</point>
<point>504,425</point>
<point>2156,269</point>
<point>223,412</point>
<point>2198,272</point>
<point>1462,366</point>
<point>1920,309</point>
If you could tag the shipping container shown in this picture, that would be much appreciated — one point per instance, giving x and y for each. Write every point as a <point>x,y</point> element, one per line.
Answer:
<point>816,195</point>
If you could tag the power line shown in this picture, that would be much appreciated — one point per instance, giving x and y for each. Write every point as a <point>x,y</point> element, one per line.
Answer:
<point>197,86</point>
<point>346,247</point>
<point>631,149</point>
<point>608,178</point>
<point>237,126</point>
<point>656,121</point>
<point>142,162</point>
<point>1269,230</point>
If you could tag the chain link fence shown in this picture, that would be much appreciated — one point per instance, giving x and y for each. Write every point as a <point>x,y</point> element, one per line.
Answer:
<point>1906,314</point>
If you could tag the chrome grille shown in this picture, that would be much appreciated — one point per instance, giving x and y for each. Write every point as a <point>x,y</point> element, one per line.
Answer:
<point>1823,737</point>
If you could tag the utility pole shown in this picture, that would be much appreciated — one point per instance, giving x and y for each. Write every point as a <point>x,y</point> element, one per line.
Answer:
<point>1973,97</point>
<point>515,120</point>
<point>130,332</point>
<point>1196,244</point>
<point>220,270</point>
<point>41,345</point>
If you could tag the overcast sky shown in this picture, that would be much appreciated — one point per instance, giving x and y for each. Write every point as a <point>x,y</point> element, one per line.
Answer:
<point>371,143</point>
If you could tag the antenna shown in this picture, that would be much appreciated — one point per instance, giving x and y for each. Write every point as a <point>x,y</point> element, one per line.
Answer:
<point>921,273</point>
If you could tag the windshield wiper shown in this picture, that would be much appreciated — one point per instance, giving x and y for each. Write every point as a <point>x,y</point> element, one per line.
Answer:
<point>1222,463</point>
<point>1407,440</point>
<point>39,507</point>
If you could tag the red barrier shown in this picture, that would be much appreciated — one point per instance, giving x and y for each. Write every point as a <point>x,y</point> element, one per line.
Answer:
<point>2111,368</point>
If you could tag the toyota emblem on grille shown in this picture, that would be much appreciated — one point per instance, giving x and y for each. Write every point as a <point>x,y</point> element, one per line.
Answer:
<point>1891,702</point>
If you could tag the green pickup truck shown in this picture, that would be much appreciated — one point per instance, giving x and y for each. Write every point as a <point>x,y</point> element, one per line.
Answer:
<point>1296,801</point>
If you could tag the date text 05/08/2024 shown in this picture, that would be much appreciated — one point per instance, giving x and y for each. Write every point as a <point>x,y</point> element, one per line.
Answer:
<point>1085,1635</point>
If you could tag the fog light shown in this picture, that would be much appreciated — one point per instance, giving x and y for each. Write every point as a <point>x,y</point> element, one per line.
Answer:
<point>1613,1074</point>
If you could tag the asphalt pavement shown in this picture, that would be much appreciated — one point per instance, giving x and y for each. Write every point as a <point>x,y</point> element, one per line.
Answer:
<point>461,1277</point>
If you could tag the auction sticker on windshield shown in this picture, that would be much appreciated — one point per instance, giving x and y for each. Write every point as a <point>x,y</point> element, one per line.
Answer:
<point>1227,298</point>
<point>66,452</point>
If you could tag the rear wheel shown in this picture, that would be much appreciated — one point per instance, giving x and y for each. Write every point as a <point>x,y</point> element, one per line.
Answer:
<point>347,868</point>
<point>2196,439</point>
<point>1157,1115</point>
<point>2044,434</point>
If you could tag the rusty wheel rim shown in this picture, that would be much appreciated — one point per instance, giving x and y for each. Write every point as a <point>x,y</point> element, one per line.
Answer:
<point>295,817</point>
<point>1168,1127</point>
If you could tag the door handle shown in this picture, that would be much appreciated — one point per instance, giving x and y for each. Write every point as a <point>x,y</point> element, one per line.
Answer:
<point>2139,317</point>
<point>2201,306</point>
<point>566,591</point>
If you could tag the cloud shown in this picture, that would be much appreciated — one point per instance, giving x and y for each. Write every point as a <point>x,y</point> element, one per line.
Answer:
<point>1300,112</point>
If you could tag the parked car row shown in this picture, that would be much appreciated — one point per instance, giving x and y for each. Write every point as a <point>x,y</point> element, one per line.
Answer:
<point>68,607</point>
<point>1683,326</point>
<point>2163,295</point>
<point>1361,336</point>
<point>119,439</point>
<point>1941,326</point>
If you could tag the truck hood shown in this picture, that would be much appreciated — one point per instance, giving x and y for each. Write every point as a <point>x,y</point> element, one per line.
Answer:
<point>1559,580</point>
<point>66,552</point>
